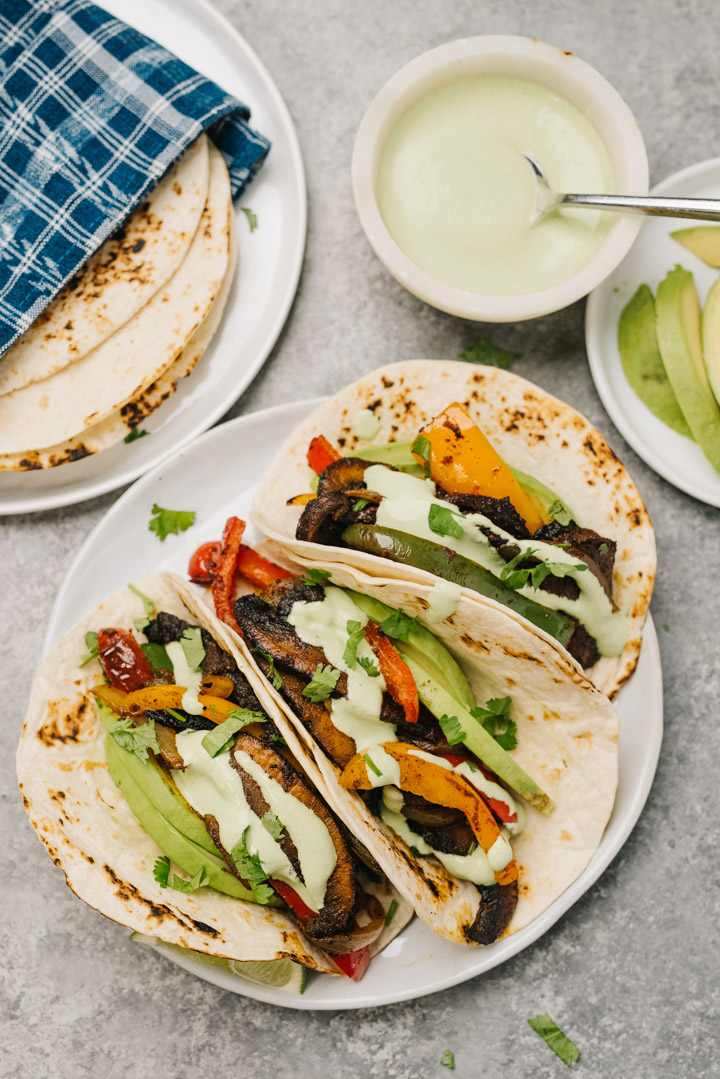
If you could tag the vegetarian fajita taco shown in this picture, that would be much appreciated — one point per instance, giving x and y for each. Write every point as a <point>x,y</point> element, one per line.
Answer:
<point>475,762</point>
<point>430,470</point>
<point>178,804</point>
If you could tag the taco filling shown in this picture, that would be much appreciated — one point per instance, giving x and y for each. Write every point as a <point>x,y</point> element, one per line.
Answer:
<point>209,776</point>
<point>448,504</point>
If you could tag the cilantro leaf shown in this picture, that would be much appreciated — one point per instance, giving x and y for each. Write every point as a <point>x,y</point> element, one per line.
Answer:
<point>163,522</point>
<point>148,604</point>
<point>495,718</point>
<point>315,576</point>
<point>272,673</point>
<point>421,446</point>
<point>135,433</point>
<point>141,624</point>
<point>367,665</point>
<point>552,1035</point>
<point>274,826</point>
<point>192,646</point>
<point>444,522</point>
<point>221,737</point>
<point>91,643</point>
<point>157,657</point>
<point>452,729</point>
<point>603,548</point>
<point>137,740</point>
<point>356,632</point>
<point>322,684</point>
<point>178,717</point>
<point>398,625</point>
<point>250,869</point>
<point>252,219</point>
<point>371,764</point>
<point>536,574</point>
<point>484,351</point>
<point>559,512</point>
<point>448,1059</point>
<point>391,912</point>
<point>161,872</point>
<point>360,504</point>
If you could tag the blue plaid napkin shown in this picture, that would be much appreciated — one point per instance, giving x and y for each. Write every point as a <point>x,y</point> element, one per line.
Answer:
<point>92,114</point>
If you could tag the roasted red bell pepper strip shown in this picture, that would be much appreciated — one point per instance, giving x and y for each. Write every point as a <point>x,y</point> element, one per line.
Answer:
<point>354,964</point>
<point>292,899</point>
<point>256,569</point>
<point>203,562</point>
<point>123,661</point>
<point>398,679</point>
<point>320,454</point>
<point>223,583</point>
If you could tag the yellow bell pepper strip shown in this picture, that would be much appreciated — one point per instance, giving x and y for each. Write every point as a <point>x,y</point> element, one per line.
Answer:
<point>217,685</point>
<point>436,784</point>
<point>301,500</point>
<point>463,461</point>
<point>159,697</point>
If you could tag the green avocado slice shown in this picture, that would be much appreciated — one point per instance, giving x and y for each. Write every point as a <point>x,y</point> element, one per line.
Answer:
<point>703,241</point>
<point>642,362</point>
<point>711,337</point>
<point>679,336</point>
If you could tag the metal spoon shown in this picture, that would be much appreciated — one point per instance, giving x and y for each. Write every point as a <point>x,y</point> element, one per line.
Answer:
<point>547,200</point>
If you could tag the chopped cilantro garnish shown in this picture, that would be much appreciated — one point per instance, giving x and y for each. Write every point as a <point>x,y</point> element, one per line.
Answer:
<point>148,604</point>
<point>421,446</point>
<point>495,718</point>
<point>161,872</point>
<point>559,512</point>
<point>272,674</point>
<point>448,1059</point>
<point>360,504</point>
<point>220,738</point>
<point>484,351</point>
<point>603,548</point>
<point>252,219</point>
<point>452,730</point>
<point>391,912</point>
<point>137,740</point>
<point>141,624</point>
<point>192,646</point>
<point>551,1034</point>
<point>274,826</point>
<point>163,522</point>
<point>535,575</point>
<point>91,643</point>
<point>356,632</point>
<point>158,658</point>
<point>322,684</point>
<point>398,625</point>
<point>371,764</point>
<point>444,522</point>
<point>176,715</point>
<point>666,627</point>
<point>135,433</point>
<point>416,852</point>
<point>315,576</point>
<point>250,869</point>
<point>367,665</point>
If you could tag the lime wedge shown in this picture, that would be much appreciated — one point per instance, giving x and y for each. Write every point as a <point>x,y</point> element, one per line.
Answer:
<point>283,974</point>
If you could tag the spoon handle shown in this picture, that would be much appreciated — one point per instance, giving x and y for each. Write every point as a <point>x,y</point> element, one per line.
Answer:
<point>700,209</point>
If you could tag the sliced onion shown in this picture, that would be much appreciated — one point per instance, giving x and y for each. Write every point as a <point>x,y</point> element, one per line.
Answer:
<point>372,915</point>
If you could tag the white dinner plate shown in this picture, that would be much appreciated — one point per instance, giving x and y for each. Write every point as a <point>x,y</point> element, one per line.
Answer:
<point>216,477</point>
<point>269,262</point>
<point>673,456</point>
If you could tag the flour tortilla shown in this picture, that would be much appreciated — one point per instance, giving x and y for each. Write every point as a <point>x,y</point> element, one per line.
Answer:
<point>90,831</point>
<point>531,430</point>
<point>567,735</point>
<point>83,393</point>
<point>119,423</point>
<point>119,279</point>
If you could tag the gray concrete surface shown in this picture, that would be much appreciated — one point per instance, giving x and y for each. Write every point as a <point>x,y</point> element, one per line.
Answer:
<point>631,972</point>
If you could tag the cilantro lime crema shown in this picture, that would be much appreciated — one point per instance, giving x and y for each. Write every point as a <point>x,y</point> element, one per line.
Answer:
<point>212,786</point>
<point>458,198</point>
<point>406,504</point>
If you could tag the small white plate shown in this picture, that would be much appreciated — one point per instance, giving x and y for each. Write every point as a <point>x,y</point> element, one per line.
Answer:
<point>217,477</point>
<point>674,457</point>
<point>269,263</point>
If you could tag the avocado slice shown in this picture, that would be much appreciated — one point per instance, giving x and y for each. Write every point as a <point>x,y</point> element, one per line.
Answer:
<point>424,647</point>
<point>711,337</point>
<point>543,496</point>
<point>189,855</point>
<point>642,362</point>
<point>677,311</point>
<point>482,744</point>
<point>703,241</point>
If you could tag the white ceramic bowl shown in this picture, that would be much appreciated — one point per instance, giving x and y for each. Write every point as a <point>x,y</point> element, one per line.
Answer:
<point>528,59</point>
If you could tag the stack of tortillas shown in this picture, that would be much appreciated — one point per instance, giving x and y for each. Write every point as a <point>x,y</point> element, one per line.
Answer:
<point>115,342</point>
